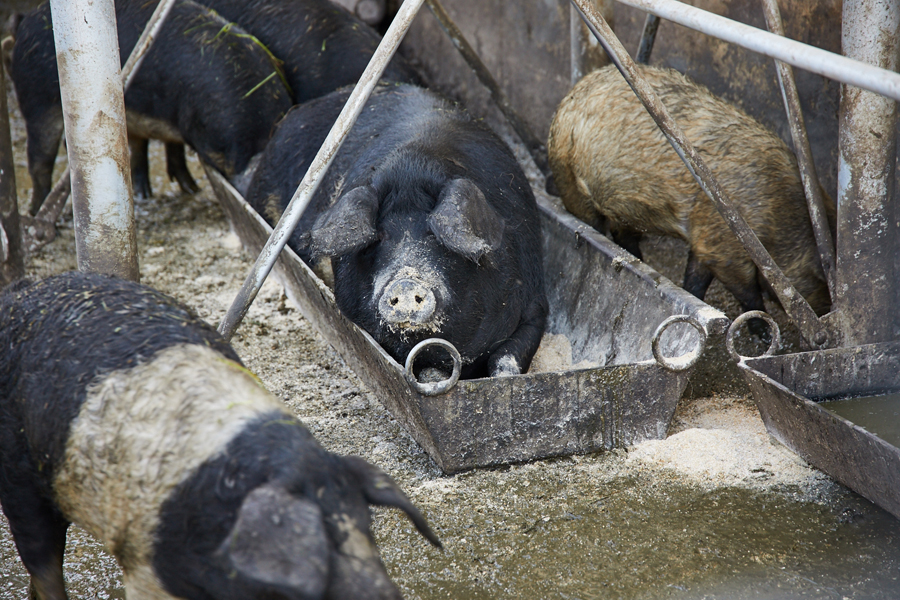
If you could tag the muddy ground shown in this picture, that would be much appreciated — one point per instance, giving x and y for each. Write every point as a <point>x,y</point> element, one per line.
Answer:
<point>716,510</point>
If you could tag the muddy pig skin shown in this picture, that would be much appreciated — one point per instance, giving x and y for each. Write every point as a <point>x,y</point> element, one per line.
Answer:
<point>323,46</point>
<point>122,412</point>
<point>204,82</point>
<point>430,225</point>
<point>610,161</point>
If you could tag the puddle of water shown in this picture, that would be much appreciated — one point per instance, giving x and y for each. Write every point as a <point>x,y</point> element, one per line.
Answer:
<point>879,415</point>
<point>646,539</point>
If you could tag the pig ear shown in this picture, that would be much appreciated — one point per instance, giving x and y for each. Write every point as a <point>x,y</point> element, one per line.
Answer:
<point>347,226</point>
<point>279,540</point>
<point>464,222</point>
<point>381,490</point>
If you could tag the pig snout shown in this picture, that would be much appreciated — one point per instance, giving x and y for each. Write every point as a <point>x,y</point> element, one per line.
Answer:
<point>407,302</point>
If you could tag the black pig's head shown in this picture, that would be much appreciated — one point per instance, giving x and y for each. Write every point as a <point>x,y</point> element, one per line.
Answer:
<point>417,261</point>
<point>289,545</point>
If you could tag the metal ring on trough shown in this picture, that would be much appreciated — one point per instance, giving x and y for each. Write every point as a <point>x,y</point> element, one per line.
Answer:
<point>438,387</point>
<point>685,361</point>
<point>752,314</point>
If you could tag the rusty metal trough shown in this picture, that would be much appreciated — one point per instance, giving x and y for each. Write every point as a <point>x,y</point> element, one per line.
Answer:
<point>608,305</point>
<point>788,390</point>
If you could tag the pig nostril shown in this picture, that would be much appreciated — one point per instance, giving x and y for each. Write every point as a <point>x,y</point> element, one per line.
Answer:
<point>419,299</point>
<point>394,301</point>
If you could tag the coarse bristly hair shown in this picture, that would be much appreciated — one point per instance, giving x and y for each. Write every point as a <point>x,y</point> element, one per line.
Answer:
<point>123,412</point>
<point>610,161</point>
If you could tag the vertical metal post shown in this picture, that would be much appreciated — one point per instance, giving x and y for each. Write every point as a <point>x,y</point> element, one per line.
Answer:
<point>811,188</point>
<point>12,266</point>
<point>45,220</point>
<point>868,235</point>
<point>648,38</point>
<point>87,53</point>
<point>585,53</point>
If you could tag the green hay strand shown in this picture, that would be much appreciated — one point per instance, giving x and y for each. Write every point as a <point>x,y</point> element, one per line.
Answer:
<point>261,83</point>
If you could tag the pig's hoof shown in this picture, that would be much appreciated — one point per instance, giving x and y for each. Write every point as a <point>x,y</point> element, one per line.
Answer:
<point>506,366</point>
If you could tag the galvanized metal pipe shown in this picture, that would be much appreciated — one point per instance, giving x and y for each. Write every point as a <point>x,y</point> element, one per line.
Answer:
<point>12,265</point>
<point>87,55</point>
<point>794,304</point>
<point>56,199</point>
<point>815,60</point>
<point>585,54</point>
<point>310,182</point>
<point>811,187</point>
<point>648,38</point>
<point>535,146</point>
<point>144,43</point>
<point>868,234</point>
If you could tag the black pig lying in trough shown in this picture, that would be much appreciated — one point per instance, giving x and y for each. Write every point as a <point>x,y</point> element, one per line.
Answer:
<point>205,82</point>
<point>123,412</point>
<point>611,162</point>
<point>431,226</point>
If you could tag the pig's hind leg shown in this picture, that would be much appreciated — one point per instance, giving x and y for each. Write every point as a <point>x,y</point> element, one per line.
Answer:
<point>177,169</point>
<point>38,528</point>
<point>513,355</point>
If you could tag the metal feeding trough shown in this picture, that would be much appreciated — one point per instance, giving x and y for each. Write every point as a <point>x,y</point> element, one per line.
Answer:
<point>609,307</point>
<point>792,392</point>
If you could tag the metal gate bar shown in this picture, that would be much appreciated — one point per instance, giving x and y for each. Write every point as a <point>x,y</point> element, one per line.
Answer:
<point>809,58</point>
<point>813,191</point>
<point>12,266</point>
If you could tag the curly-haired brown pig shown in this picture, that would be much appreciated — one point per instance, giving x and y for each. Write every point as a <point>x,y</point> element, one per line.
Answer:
<point>610,161</point>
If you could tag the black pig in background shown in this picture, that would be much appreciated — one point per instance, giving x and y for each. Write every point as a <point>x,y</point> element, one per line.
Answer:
<point>431,226</point>
<point>123,412</point>
<point>204,81</point>
<point>323,46</point>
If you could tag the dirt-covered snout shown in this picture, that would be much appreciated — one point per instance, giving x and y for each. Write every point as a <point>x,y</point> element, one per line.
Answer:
<point>304,547</point>
<point>410,253</point>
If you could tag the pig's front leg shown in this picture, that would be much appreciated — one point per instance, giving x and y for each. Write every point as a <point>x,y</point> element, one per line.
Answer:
<point>513,355</point>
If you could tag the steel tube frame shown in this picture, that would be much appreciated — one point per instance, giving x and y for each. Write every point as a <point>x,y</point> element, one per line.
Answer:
<point>535,146</point>
<point>868,235</point>
<point>310,182</point>
<point>793,303</point>
<point>12,265</point>
<point>53,205</point>
<point>87,52</point>
<point>813,191</point>
<point>648,38</point>
<point>809,58</point>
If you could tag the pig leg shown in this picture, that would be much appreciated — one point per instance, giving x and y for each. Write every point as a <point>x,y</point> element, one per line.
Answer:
<point>39,531</point>
<point>140,166</point>
<point>629,240</point>
<point>176,167</point>
<point>749,295</point>
<point>513,355</point>
<point>697,277</point>
<point>44,134</point>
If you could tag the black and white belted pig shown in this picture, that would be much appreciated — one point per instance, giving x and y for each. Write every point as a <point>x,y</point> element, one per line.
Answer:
<point>610,161</point>
<point>123,412</point>
<point>427,220</point>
